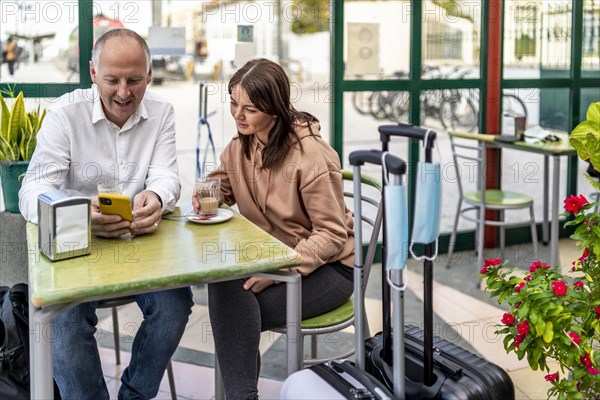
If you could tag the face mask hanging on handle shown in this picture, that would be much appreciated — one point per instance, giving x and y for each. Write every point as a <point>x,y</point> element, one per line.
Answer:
<point>428,199</point>
<point>396,224</point>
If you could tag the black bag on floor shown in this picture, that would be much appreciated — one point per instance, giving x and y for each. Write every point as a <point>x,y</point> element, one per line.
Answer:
<point>14,340</point>
<point>14,343</point>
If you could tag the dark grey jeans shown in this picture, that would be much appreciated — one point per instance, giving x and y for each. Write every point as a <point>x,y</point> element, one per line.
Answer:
<point>238,317</point>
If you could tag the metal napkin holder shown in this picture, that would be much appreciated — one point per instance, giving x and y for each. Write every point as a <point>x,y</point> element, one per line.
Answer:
<point>64,224</point>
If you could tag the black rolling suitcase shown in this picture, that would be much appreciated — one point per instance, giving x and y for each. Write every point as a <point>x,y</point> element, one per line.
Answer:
<point>345,379</point>
<point>435,368</point>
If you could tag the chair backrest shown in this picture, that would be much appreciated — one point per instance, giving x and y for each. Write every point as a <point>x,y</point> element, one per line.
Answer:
<point>468,155</point>
<point>372,215</point>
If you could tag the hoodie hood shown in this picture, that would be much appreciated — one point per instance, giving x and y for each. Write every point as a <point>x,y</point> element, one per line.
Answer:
<point>303,131</point>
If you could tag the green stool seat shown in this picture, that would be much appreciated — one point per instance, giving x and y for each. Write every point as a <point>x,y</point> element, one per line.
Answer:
<point>336,316</point>
<point>496,197</point>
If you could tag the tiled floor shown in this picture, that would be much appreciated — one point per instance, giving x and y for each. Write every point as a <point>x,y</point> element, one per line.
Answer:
<point>463,314</point>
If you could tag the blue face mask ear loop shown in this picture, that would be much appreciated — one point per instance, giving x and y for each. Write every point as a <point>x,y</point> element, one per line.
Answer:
<point>410,248</point>
<point>404,277</point>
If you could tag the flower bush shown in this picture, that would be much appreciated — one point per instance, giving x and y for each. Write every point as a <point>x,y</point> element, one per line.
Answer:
<point>556,315</point>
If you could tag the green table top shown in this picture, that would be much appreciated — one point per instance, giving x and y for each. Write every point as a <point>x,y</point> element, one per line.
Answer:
<point>561,148</point>
<point>179,253</point>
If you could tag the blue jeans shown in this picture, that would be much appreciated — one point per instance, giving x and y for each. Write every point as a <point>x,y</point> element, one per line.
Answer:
<point>76,361</point>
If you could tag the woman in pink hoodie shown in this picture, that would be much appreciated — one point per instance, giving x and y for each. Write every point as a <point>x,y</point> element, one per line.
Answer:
<point>287,180</point>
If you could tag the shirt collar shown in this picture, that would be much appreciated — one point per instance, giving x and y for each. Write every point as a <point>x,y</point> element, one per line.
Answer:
<point>98,111</point>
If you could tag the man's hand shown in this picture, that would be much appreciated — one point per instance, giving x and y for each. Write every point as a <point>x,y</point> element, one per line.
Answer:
<point>108,226</point>
<point>257,284</point>
<point>147,212</point>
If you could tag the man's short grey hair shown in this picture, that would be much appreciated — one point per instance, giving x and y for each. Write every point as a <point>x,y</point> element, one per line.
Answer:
<point>119,33</point>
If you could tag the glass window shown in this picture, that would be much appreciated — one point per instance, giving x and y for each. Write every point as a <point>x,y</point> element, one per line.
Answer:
<point>451,39</point>
<point>590,63</point>
<point>369,52</point>
<point>537,38</point>
<point>40,46</point>
<point>369,110</point>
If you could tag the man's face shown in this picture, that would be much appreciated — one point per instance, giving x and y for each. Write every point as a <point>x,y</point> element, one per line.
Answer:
<point>122,77</point>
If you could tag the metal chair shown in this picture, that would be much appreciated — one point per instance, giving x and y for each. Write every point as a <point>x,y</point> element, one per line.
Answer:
<point>472,150</point>
<point>113,304</point>
<point>343,316</point>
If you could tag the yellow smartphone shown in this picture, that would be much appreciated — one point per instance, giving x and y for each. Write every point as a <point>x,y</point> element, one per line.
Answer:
<point>115,204</point>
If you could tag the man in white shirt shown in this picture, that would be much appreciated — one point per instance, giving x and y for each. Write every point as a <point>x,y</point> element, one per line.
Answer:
<point>114,130</point>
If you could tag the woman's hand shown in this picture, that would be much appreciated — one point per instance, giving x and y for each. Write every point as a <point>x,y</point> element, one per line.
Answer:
<point>257,284</point>
<point>195,202</point>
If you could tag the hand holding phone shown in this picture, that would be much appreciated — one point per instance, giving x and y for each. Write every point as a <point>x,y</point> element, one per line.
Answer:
<point>115,204</point>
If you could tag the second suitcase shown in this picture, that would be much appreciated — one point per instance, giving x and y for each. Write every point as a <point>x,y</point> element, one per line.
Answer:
<point>458,373</point>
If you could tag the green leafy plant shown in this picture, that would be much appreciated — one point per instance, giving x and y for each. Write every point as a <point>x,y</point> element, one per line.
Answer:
<point>18,128</point>
<point>555,314</point>
<point>585,138</point>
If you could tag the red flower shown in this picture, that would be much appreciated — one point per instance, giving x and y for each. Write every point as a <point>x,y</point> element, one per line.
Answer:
<point>574,203</point>
<point>551,377</point>
<point>578,284</point>
<point>585,360</point>
<point>559,288</point>
<point>597,310</point>
<point>518,340</point>
<point>508,319</point>
<point>519,286</point>
<point>538,265</point>
<point>528,277</point>
<point>492,262</point>
<point>523,328</point>
<point>584,256</point>
<point>575,337</point>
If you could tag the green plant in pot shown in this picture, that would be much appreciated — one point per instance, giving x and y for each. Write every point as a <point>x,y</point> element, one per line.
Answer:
<point>18,138</point>
<point>554,313</point>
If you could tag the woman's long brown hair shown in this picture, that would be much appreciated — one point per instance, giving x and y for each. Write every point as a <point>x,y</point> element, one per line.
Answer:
<point>268,88</point>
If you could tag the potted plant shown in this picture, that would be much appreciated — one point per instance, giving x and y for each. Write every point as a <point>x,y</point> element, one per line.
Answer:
<point>555,315</point>
<point>18,133</point>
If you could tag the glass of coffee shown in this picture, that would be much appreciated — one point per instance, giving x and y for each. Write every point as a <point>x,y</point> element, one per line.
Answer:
<point>209,195</point>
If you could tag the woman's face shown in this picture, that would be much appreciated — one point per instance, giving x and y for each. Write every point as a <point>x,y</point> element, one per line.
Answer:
<point>249,120</point>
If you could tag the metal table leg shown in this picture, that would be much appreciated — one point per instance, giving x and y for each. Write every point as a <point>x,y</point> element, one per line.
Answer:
<point>554,258</point>
<point>40,349</point>
<point>293,324</point>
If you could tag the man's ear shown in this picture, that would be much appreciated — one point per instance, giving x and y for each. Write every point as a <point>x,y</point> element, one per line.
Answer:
<point>92,72</point>
<point>149,78</point>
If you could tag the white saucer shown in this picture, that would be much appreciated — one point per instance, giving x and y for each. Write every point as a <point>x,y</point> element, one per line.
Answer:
<point>223,216</point>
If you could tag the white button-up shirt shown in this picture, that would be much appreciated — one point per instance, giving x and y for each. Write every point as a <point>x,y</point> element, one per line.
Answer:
<point>77,147</point>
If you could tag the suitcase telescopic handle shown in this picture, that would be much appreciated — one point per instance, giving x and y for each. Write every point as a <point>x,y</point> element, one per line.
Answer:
<point>409,131</point>
<point>393,164</point>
